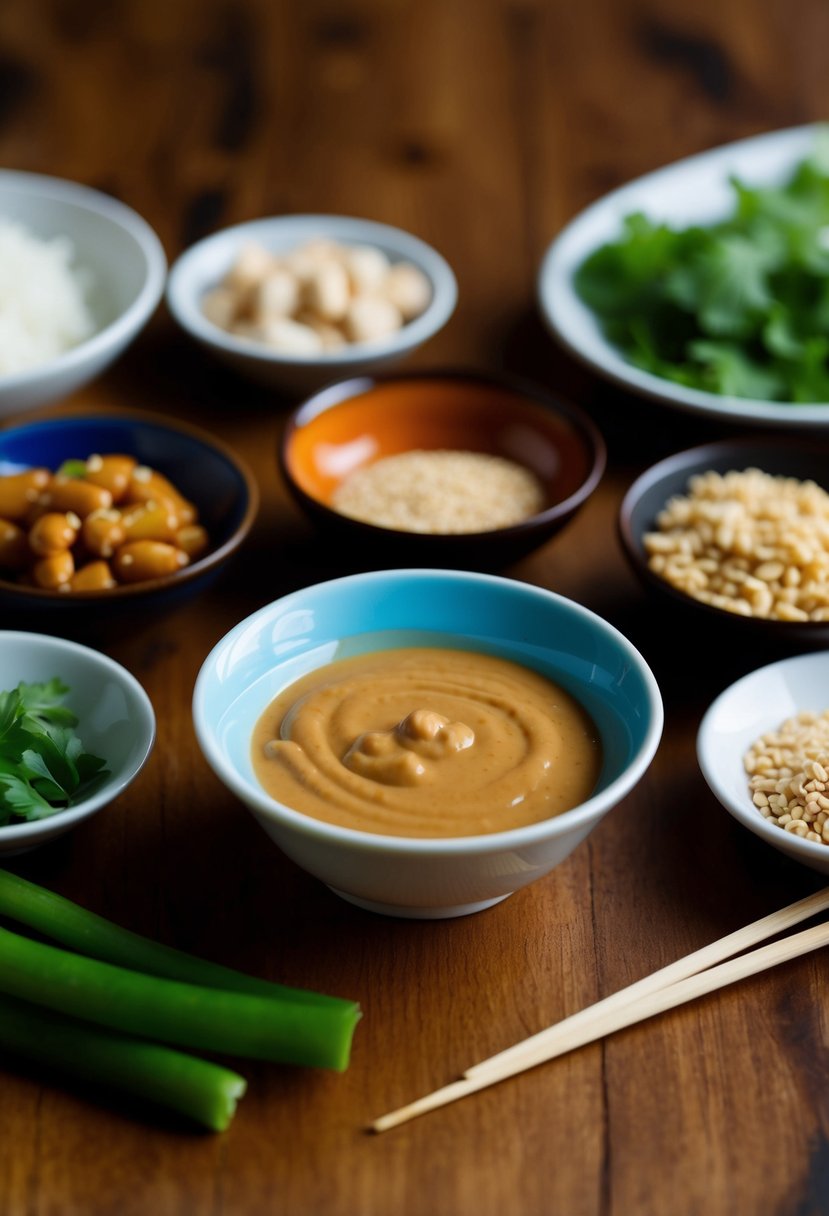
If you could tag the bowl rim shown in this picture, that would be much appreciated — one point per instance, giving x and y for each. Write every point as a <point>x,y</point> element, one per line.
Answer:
<point>755,823</point>
<point>145,722</point>
<point>689,459</point>
<point>62,190</point>
<point>588,812</point>
<point>562,309</point>
<point>332,395</point>
<point>195,569</point>
<point>181,290</point>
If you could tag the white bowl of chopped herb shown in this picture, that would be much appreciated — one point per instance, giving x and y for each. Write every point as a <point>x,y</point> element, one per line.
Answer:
<point>705,285</point>
<point>75,730</point>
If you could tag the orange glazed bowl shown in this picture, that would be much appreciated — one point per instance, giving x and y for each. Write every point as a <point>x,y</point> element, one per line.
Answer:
<point>352,425</point>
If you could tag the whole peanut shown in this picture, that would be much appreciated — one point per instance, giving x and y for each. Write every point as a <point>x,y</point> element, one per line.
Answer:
<point>19,491</point>
<point>65,533</point>
<point>94,576</point>
<point>14,547</point>
<point>74,494</point>
<point>111,472</point>
<point>102,532</point>
<point>53,532</point>
<point>55,571</point>
<point>148,485</point>
<point>317,297</point>
<point>141,560</point>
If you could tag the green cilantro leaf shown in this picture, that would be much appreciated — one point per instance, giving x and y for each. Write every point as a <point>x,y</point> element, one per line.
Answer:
<point>43,766</point>
<point>73,468</point>
<point>23,800</point>
<point>740,307</point>
<point>45,701</point>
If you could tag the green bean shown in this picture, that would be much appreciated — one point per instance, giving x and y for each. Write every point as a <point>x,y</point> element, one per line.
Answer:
<point>187,1015</point>
<point>199,1089</point>
<point>73,926</point>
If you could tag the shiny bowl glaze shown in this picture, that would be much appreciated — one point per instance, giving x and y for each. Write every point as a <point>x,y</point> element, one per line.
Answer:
<point>749,708</point>
<point>201,466</point>
<point>357,422</point>
<point>204,264</point>
<point>123,258</point>
<point>427,878</point>
<point>115,721</point>
<point>802,458</point>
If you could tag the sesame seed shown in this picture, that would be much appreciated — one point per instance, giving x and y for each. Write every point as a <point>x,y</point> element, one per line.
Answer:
<point>440,492</point>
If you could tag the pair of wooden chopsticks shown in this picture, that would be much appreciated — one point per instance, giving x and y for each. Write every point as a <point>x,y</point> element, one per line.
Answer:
<point>689,977</point>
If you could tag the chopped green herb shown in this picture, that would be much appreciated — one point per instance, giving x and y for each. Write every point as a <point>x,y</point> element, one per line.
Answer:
<point>43,767</point>
<point>73,468</point>
<point>739,308</point>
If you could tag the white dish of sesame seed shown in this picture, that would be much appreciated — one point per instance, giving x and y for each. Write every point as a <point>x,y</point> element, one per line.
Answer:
<point>763,746</point>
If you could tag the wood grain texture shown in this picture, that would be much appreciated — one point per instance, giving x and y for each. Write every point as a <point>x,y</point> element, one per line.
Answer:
<point>483,127</point>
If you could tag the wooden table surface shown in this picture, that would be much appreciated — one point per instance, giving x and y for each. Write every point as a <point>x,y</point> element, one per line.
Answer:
<point>483,127</point>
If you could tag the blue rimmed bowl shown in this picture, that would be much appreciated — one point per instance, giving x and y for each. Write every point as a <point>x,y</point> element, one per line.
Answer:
<point>203,468</point>
<point>308,629</point>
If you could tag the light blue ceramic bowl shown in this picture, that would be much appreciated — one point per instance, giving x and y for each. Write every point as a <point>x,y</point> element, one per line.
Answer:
<point>365,612</point>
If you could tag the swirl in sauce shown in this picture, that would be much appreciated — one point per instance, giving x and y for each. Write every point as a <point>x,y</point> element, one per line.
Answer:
<point>426,742</point>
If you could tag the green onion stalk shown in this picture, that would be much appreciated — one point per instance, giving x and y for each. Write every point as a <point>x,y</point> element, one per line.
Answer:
<point>188,1015</point>
<point>88,933</point>
<point>198,1089</point>
<point>115,1006</point>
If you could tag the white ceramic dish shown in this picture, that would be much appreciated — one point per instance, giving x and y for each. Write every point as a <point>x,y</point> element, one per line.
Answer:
<point>203,265</point>
<point>695,190</point>
<point>427,878</point>
<point>115,721</point>
<point>757,703</point>
<point>115,248</point>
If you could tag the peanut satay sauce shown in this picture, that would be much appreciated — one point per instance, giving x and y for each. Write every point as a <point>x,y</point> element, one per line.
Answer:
<point>426,742</point>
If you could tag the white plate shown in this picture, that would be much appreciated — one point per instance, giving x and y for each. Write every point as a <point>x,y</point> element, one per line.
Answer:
<point>758,703</point>
<point>692,191</point>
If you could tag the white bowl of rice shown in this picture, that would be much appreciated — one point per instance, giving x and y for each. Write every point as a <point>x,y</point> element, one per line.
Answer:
<point>80,275</point>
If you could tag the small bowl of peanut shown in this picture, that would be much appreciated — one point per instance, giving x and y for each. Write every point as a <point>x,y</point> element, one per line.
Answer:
<point>737,531</point>
<point>296,301</point>
<point>763,749</point>
<point>113,513</point>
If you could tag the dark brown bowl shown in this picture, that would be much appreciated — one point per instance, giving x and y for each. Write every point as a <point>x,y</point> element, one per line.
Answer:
<point>204,470</point>
<point>354,423</point>
<point>805,459</point>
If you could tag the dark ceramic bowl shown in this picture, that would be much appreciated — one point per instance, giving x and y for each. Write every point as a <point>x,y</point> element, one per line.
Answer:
<point>804,459</point>
<point>201,467</point>
<point>355,423</point>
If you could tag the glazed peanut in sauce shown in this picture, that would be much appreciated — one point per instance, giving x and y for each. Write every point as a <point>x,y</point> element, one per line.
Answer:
<point>426,742</point>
